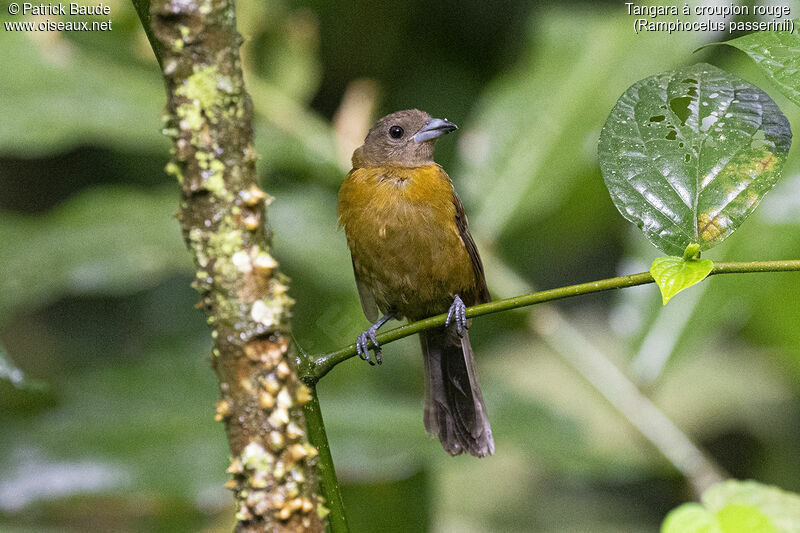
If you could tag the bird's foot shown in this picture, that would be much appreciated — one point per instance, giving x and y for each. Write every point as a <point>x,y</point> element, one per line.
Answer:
<point>363,340</point>
<point>458,314</point>
<point>362,346</point>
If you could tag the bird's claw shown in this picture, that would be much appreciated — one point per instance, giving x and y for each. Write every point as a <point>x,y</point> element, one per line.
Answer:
<point>457,313</point>
<point>362,345</point>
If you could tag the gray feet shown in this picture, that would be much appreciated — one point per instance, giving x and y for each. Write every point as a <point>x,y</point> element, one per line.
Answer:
<point>363,340</point>
<point>458,314</point>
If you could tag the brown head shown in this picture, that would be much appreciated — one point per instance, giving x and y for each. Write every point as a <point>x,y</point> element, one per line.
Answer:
<point>403,139</point>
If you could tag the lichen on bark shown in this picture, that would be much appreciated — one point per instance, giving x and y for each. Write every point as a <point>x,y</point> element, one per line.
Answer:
<point>223,218</point>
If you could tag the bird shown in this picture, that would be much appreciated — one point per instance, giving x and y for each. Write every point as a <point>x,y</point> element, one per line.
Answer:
<point>413,257</point>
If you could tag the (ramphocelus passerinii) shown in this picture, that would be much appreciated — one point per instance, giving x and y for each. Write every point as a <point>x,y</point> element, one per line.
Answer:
<point>413,257</point>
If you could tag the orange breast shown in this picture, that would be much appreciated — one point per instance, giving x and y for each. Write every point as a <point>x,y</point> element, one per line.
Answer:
<point>406,247</point>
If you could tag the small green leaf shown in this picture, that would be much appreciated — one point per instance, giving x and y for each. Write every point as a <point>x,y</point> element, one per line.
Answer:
<point>737,507</point>
<point>690,518</point>
<point>688,154</point>
<point>782,508</point>
<point>777,53</point>
<point>673,274</point>
<point>737,518</point>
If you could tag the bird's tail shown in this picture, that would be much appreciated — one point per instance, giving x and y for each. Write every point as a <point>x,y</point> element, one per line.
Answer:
<point>454,409</point>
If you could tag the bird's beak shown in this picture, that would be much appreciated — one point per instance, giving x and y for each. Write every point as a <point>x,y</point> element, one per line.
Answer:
<point>436,127</point>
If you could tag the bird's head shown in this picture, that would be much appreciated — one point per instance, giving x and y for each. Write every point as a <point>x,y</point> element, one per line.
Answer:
<point>404,138</point>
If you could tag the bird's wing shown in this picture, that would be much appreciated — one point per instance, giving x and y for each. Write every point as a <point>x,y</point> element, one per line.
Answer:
<point>368,303</point>
<point>472,250</point>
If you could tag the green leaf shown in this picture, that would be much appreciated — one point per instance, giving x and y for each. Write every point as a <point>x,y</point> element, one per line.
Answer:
<point>688,154</point>
<point>777,53</point>
<point>690,518</point>
<point>744,519</point>
<point>737,507</point>
<point>781,507</point>
<point>673,274</point>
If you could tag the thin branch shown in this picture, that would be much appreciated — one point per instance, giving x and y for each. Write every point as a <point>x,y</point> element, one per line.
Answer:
<point>570,343</point>
<point>143,10</point>
<point>329,483</point>
<point>312,368</point>
<point>662,337</point>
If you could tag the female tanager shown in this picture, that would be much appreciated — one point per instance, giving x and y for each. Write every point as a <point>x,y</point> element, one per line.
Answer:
<point>413,257</point>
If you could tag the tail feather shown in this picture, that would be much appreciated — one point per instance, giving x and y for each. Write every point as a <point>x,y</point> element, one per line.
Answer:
<point>454,409</point>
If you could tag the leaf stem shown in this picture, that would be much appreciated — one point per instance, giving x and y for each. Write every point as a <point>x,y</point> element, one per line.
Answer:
<point>691,252</point>
<point>314,367</point>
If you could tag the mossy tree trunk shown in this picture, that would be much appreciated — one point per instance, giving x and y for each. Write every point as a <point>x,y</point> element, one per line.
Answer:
<point>223,219</point>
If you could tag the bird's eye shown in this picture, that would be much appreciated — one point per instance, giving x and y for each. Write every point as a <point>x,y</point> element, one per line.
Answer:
<point>395,132</point>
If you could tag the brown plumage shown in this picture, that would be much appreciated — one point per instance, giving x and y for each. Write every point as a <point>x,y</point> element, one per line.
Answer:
<point>413,257</point>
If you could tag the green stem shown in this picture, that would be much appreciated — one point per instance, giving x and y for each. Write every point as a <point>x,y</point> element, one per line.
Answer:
<point>143,10</point>
<point>329,484</point>
<point>756,266</point>
<point>314,367</point>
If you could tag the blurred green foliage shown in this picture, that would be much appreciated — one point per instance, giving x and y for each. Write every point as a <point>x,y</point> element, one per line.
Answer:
<point>96,301</point>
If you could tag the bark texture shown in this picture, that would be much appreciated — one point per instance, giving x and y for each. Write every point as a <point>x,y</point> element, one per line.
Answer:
<point>223,218</point>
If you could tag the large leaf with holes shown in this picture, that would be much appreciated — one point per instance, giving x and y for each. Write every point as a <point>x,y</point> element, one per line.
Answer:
<point>777,53</point>
<point>688,154</point>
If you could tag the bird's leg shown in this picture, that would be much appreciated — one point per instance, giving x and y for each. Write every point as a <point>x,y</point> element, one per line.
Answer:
<point>457,313</point>
<point>362,342</point>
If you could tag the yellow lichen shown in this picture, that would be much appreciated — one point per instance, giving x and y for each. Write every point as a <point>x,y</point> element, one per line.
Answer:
<point>267,312</point>
<point>264,263</point>
<point>255,457</point>
<point>298,451</point>
<point>223,410</point>
<point>251,221</point>
<point>293,431</point>
<point>276,441</point>
<point>284,398</point>
<point>201,87</point>
<point>174,170</point>
<point>283,369</point>
<point>303,394</point>
<point>270,384</point>
<point>246,385</point>
<point>252,196</point>
<point>266,400</point>
<point>224,243</point>
<point>236,467</point>
<point>215,182</point>
<point>279,417</point>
